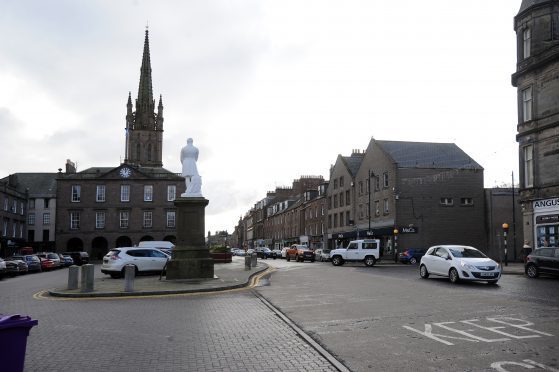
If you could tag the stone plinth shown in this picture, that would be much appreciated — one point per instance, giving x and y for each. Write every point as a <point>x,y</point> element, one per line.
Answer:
<point>191,259</point>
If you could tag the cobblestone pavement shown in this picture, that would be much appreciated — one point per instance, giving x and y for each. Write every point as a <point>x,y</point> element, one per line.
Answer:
<point>211,332</point>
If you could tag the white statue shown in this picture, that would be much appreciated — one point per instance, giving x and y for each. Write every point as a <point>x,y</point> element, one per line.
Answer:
<point>192,180</point>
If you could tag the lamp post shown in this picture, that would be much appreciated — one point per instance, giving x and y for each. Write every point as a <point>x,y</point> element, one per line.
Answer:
<point>505,230</point>
<point>396,245</point>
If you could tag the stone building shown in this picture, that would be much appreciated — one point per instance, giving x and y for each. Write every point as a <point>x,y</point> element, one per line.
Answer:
<point>105,207</point>
<point>13,212</point>
<point>537,82</point>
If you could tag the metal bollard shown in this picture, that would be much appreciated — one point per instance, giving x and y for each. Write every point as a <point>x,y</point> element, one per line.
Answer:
<point>247,262</point>
<point>254,260</point>
<point>87,278</point>
<point>129,275</point>
<point>73,277</point>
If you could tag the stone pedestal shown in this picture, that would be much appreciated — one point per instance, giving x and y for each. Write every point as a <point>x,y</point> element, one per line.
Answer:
<point>191,259</point>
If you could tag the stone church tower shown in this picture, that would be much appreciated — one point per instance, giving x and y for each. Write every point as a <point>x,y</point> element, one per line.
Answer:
<point>144,127</point>
<point>537,82</point>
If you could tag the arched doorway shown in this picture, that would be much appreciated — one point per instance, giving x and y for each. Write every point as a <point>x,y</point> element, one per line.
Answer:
<point>146,238</point>
<point>170,238</point>
<point>99,247</point>
<point>123,241</point>
<point>74,244</point>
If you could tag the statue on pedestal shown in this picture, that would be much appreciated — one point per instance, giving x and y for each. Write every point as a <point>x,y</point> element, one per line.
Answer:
<point>192,180</point>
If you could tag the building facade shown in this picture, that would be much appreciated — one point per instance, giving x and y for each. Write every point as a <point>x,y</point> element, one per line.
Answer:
<point>12,215</point>
<point>537,82</point>
<point>105,207</point>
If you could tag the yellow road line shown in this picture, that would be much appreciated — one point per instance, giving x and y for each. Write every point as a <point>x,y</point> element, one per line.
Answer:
<point>254,281</point>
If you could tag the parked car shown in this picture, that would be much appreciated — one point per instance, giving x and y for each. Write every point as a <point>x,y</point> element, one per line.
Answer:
<point>542,261</point>
<point>68,261</point>
<point>322,254</point>
<point>3,269</point>
<point>284,252</point>
<point>412,255</point>
<point>459,262</point>
<point>240,252</point>
<point>46,264</point>
<point>263,252</point>
<point>53,257</point>
<point>276,253</point>
<point>15,266</point>
<point>32,261</point>
<point>79,257</point>
<point>146,260</point>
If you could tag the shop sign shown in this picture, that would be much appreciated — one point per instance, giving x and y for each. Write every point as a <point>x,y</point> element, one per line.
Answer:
<point>408,230</point>
<point>546,204</point>
<point>548,218</point>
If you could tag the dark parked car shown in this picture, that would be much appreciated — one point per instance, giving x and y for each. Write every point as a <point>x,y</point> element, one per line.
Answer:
<point>263,252</point>
<point>80,258</point>
<point>33,262</point>
<point>15,267</point>
<point>412,255</point>
<point>542,261</point>
<point>3,270</point>
<point>68,261</point>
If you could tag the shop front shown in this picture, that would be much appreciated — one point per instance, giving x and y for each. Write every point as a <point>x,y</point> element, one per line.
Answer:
<point>546,222</point>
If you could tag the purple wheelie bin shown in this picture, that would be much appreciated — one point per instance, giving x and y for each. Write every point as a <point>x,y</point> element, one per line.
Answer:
<point>14,330</point>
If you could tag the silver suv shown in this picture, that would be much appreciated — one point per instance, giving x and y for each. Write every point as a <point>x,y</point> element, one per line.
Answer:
<point>146,260</point>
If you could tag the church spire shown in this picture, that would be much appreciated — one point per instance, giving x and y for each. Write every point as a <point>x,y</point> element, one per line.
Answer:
<point>145,91</point>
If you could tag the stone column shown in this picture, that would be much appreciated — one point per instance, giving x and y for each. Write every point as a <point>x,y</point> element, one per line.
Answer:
<point>191,259</point>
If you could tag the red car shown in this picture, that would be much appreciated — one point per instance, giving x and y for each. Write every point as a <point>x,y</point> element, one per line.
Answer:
<point>46,264</point>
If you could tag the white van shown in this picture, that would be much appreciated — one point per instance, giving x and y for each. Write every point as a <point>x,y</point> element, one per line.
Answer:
<point>159,244</point>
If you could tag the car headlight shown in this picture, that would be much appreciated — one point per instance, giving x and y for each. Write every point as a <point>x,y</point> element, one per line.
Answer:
<point>468,266</point>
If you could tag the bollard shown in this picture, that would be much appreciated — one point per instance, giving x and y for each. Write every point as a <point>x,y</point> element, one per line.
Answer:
<point>73,277</point>
<point>254,262</point>
<point>129,275</point>
<point>247,262</point>
<point>87,278</point>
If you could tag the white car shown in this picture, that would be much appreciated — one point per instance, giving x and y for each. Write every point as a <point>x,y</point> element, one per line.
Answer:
<point>146,260</point>
<point>459,262</point>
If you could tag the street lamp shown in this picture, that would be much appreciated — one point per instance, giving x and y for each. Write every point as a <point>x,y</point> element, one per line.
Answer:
<point>396,245</point>
<point>371,175</point>
<point>505,230</point>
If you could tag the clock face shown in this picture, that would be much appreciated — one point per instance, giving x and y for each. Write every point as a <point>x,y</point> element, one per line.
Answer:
<point>125,172</point>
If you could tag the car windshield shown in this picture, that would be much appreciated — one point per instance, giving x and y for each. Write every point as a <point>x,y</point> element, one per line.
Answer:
<point>466,252</point>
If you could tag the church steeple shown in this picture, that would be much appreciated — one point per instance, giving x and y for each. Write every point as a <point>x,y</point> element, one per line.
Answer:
<point>144,128</point>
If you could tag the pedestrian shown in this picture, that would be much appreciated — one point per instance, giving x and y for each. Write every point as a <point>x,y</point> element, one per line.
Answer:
<point>526,250</point>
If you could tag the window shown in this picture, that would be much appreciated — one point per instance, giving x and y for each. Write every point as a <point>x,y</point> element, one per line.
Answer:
<point>385,206</point>
<point>5,228</point>
<point>124,193</point>
<point>46,218</point>
<point>148,193</point>
<point>171,219</point>
<point>341,199</point>
<point>171,192</point>
<point>14,229</point>
<point>31,219</point>
<point>368,185</point>
<point>527,37</point>
<point>385,180</point>
<point>99,220</point>
<point>100,194</point>
<point>335,201</point>
<point>347,219</point>
<point>148,219</point>
<point>377,183</point>
<point>335,184</point>
<point>21,208</point>
<point>46,203</point>
<point>124,218</point>
<point>342,219</point>
<point>347,198</point>
<point>527,104</point>
<point>448,202</point>
<point>329,202</point>
<point>76,193</point>
<point>377,206</point>
<point>31,203</point>
<point>466,201</point>
<point>370,245</point>
<point>6,205</point>
<point>322,210</point>
<point>74,220</point>
<point>14,206</point>
<point>342,181</point>
<point>529,166</point>
<point>360,187</point>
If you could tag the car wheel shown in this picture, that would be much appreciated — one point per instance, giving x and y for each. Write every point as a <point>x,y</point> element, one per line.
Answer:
<point>532,271</point>
<point>288,258</point>
<point>369,261</point>
<point>453,276</point>
<point>413,261</point>
<point>337,261</point>
<point>423,272</point>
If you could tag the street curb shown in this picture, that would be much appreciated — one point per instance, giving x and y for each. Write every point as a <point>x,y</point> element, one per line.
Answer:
<point>55,293</point>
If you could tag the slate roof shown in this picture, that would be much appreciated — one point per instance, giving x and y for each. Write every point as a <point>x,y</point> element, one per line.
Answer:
<point>353,162</point>
<point>529,3</point>
<point>96,172</point>
<point>37,183</point>
<point>428,155</point>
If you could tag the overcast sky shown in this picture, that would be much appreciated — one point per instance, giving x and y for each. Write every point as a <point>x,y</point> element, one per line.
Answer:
<point>269,90</point>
